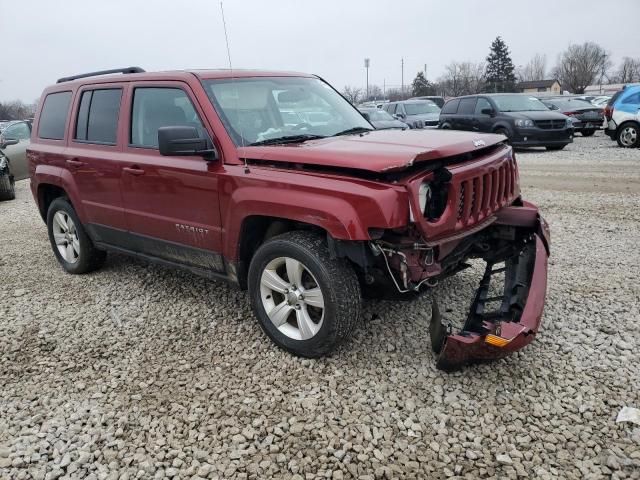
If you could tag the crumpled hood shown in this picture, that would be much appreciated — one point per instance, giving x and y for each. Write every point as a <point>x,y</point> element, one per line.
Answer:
<point>376,151</point>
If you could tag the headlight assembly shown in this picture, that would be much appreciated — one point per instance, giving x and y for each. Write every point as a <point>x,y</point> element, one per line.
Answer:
<point>424,196</point>
<point>521,123</point>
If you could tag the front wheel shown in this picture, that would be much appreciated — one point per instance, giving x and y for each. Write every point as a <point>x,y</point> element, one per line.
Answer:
<point>305,301</point>
<point>7,188</point>
<point>587,133</point>
<point>628,136</point>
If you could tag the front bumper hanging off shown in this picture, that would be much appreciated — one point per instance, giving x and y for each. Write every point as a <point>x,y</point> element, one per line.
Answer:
<point>493,334</point>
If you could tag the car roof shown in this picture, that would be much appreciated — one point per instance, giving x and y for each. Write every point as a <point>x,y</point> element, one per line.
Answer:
<point>176,75</point>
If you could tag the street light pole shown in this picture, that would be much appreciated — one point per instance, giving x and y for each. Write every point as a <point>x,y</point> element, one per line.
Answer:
<point>402,84</point>
<point>366,66</point>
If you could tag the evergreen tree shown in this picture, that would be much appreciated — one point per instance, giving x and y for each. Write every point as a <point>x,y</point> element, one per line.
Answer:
<point>500,71</point>
<point>421,86</point>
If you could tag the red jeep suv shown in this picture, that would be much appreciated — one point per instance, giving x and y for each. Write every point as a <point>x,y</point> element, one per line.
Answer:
<point>275,182</point>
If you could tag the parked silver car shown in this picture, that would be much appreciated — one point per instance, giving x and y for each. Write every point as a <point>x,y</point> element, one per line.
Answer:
<point>14,141</point>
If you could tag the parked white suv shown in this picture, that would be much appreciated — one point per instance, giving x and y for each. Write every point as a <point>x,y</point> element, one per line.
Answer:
<point>622,115</point>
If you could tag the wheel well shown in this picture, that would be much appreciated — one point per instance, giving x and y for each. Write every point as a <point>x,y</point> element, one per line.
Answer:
<point>258,229</point>
<point>47,193</point>
<point>627,122</point>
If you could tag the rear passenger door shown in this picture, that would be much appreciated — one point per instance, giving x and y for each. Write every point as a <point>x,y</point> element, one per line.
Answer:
<point>465,115</point>
<point>171,203</point>
<point>94,160</point>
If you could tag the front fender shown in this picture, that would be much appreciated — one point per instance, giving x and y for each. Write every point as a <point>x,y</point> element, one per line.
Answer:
<point>346,208</point>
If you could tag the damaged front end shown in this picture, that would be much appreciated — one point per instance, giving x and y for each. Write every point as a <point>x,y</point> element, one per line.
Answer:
<point>498,324</point>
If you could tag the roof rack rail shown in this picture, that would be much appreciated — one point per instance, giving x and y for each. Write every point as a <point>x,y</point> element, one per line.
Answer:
<point>101,72</point>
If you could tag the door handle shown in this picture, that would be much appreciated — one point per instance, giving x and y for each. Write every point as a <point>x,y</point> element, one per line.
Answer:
<point>74,162</point>
<point>133,170</point>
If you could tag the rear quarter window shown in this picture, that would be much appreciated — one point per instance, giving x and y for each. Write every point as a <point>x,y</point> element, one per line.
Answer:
<point>632,99</point>
<point>53,117</point>
<point>451,106</point>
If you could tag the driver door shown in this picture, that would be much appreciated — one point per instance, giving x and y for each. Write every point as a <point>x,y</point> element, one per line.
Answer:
<point>171,203</point>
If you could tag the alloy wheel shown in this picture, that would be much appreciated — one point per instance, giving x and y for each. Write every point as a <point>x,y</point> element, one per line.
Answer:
<point>628,136</point>
<point>292,298</point>
<point>65,236</point>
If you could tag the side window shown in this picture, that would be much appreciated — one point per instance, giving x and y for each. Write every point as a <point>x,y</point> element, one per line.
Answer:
<point>400,108</point>
<point>451,106</point>
<point>98,116</point>
<point>467,106</point>
<point>390,108</point>
<point>482,104</point>
<point>53,117</point>
<point>632,99</point>
<point>18,131</point>
<point>155,107</point>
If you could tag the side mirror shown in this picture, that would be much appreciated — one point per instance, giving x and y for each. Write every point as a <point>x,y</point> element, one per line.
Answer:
<point>182,140</point>
<point>399,116</point>
<point>488,111</point>
<point>9,141</point>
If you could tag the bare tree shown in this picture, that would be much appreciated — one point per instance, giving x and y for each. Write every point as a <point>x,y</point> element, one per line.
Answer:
<point>628,71</point>
<point>582,65</point>
<point>16,110</point>
<point>352,94</point>
<point>375,93</point>
<point>535,69</point>
<point>462,78</point>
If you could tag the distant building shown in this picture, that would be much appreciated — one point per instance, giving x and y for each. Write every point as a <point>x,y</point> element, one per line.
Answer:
<point>537,86</point>
<point>604,89</point>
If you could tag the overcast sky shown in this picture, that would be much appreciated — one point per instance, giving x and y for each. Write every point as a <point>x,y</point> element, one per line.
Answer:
<point>43,40</point>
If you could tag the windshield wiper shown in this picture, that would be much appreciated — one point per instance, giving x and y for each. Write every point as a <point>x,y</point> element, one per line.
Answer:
<point>350,131</point>
<point>287,139</point>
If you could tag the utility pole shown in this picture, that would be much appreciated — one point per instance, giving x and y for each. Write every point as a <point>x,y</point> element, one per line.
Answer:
<point>366,66</point>
<point>384,88</point>
<point>402,84</point>
<point>425,71</point>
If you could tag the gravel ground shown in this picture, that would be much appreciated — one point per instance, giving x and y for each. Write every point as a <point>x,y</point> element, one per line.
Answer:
<point>137,371</point>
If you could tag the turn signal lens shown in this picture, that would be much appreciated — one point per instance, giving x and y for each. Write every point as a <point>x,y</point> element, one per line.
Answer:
<point>496,341</point>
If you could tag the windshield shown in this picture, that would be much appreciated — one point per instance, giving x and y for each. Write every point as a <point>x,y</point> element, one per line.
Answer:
<point>421,108</point>
<point>518,103</point>
<point>378,115</point>
<point>260,109</point>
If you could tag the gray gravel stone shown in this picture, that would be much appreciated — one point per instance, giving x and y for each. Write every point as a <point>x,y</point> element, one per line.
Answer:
<point>137,371</point>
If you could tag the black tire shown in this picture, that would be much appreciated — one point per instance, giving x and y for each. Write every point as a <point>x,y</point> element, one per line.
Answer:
<point>336,279</point>
<point>445,126</point>
<point>505,132</point>
<point>623,130</point>
<point>7,187</point>
<point>555,147</point>
<point>587,133</point>
<point>89,257</point>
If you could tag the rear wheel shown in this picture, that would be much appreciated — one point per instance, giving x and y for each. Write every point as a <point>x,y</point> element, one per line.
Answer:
<point>587,133</point>
<point>628,135</point>
<point>70,243</point>
<point>7,187</point>
<point>305,301</point>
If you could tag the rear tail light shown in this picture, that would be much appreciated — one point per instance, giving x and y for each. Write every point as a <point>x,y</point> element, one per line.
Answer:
<point>608,112</point>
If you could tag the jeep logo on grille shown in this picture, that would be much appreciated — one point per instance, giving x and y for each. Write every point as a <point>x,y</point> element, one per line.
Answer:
<point>479,143</point>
